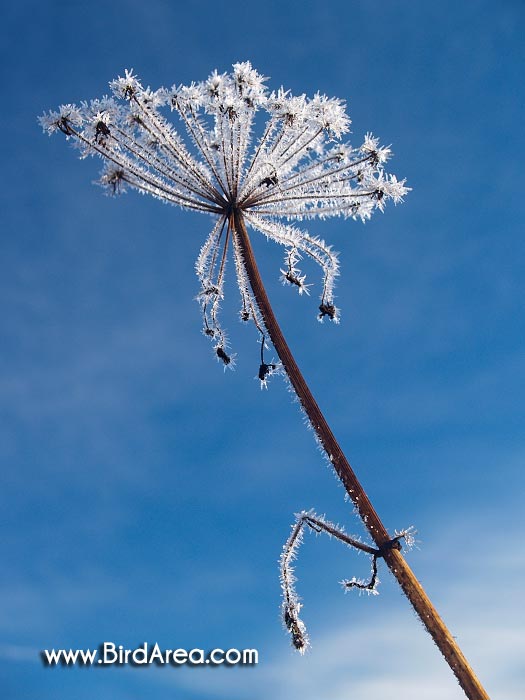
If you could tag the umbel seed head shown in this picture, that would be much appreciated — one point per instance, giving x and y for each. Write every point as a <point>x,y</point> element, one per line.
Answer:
<point>211,160</point>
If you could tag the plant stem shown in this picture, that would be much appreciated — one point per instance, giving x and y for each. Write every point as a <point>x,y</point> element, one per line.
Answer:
<point>393,557</point>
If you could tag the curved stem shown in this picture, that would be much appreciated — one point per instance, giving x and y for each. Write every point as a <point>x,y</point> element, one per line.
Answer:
<point>393,557</point>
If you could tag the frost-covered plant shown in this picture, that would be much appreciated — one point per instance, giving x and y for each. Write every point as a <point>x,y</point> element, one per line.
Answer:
<point>297,168</point>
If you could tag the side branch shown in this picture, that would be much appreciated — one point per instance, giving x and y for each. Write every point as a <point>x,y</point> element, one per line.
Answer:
<point>392,556</point>
<point>291,606</point>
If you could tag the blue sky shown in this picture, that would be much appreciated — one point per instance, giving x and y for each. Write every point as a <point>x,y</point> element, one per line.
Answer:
<point>146,494</point>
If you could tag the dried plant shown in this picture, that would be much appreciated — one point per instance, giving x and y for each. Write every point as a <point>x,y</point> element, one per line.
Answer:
<point>299,168</point>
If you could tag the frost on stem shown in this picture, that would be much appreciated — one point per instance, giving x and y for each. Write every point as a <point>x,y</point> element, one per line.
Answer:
<point>211,160</point>
<point>291,605</point>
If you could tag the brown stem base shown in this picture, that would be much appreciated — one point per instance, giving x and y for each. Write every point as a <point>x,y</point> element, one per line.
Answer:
<point>393,557</point>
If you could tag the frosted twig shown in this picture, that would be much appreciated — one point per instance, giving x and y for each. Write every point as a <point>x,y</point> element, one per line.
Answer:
<point>291,606</point>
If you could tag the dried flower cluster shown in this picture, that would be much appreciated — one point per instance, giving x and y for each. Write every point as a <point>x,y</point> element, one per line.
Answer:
<point>298,169</point>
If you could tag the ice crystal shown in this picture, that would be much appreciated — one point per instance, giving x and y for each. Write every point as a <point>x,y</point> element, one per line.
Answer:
<point>298,168</point>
